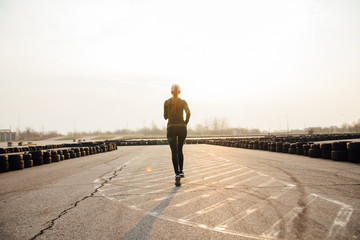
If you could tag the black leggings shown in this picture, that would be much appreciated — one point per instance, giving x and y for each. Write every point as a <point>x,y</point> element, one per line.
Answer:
<point>176,137</point>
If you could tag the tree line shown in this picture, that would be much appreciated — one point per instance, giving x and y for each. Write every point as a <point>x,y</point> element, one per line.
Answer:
<point>210,127</point>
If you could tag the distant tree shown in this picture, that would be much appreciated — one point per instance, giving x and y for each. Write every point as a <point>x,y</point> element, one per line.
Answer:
<point>310,131</point>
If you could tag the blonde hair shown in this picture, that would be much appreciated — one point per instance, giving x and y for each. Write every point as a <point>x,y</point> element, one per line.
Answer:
<point>175,90</point>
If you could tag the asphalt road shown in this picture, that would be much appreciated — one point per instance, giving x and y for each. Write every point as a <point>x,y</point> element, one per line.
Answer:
<point>227,193</point>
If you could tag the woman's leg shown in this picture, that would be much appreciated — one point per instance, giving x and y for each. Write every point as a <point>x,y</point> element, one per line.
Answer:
<point>182,133</point>
<point>172,139</point>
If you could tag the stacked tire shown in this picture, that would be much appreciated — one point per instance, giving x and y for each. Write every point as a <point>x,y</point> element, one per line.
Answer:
<point>266,145</point>
<point>354,152</point>
<point>4,163</point>
<point>306,148</point>
<point>66,154</point>
<point>61,154</point>
<point>315,151</point>
<point>339,151</point>
<point>16,162</point>
<point>47,158</point>
<point>55,157</point>
<point>286,147</point>
<point>28,162</point>
<point>37,157</point>
<point>299,148</point>
<point>3,150</point>
<point>292,149</point>
<point>325,150</point>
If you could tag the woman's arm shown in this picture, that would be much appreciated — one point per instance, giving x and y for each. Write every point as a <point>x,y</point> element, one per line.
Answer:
<point>165,111</point>
<point>187,111</point>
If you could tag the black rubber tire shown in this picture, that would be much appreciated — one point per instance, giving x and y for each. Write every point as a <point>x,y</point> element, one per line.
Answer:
<point>325,153</point>
<point>65,151</point>
<point>353,146</point>
<point>62,157</point>
<point>78,154</point>
<point>306,146</point>
<point>279,147</point>
<point>272,147</point>
<point>47,160</point>
<point>286,147</point>
<point>4,158</point>
<point>339,155</point>
<point>37,157</point>
<point>339,146</point>
<point>292,150</point>
<point>15,157</point>
<point>315,153</point>
<point>299,151</point>
<point>315,146</point>
<point>3,150</point>
<point>76,150</point>
<point>55,158</point>
<point>306,152</point>
<point>27,156</point>
<point>16,165</point>
<point>72,154</point>
<point>66,156</point>
<point>28,163</point>
<point>354,157</point>
<point>265,146</point>
<point>325,146</point>
<point>36,154</point>
<point>4,166</point>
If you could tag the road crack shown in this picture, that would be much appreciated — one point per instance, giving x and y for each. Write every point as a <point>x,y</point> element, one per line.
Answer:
<point>51,223</point>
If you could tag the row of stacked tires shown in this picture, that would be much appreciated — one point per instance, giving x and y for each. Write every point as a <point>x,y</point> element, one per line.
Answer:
<point>155,142</point>
<point>30,148</point>
<point>337,151</point>
<point>14,161</point>
<point>290,139</point>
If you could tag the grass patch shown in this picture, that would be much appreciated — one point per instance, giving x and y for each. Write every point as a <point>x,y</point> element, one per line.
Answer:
<point>103,138</point>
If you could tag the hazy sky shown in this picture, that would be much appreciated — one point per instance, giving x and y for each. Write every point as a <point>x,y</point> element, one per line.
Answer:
<point>110,64</point>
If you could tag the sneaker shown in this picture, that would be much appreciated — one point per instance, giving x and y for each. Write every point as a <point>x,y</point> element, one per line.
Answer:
<point>177,180</point>
<point>182,175</point>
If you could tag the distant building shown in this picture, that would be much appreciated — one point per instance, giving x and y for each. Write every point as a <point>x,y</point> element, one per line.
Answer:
<point>6,135</point>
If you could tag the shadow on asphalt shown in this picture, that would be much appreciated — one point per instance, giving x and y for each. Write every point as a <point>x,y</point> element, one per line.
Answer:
<point>143,228</point>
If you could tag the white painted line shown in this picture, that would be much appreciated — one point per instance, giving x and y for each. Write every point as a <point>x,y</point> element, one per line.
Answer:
<point>170,177</point>
<point>162,169</point>
<point>209,173</point>
<point>243,181</point>
<point>335,202</point>
<point>340,221</point>
<point>209,193</point>
<point>160,176</point>
<point>274,230</point>
<point>235,176</point>
<point>192,224</point>
<point>180,193</point>
<point>251,209</point>
<point>220,174</point>
<point>221,203</point>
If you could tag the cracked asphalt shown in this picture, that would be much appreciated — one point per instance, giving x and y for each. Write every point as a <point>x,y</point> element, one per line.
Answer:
<point>227,193</point>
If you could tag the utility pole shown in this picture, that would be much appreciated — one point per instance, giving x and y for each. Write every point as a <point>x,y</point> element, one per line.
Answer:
<point>287,123</point>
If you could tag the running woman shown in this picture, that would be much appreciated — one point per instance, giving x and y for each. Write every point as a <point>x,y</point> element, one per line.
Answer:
<point>176,129</point>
